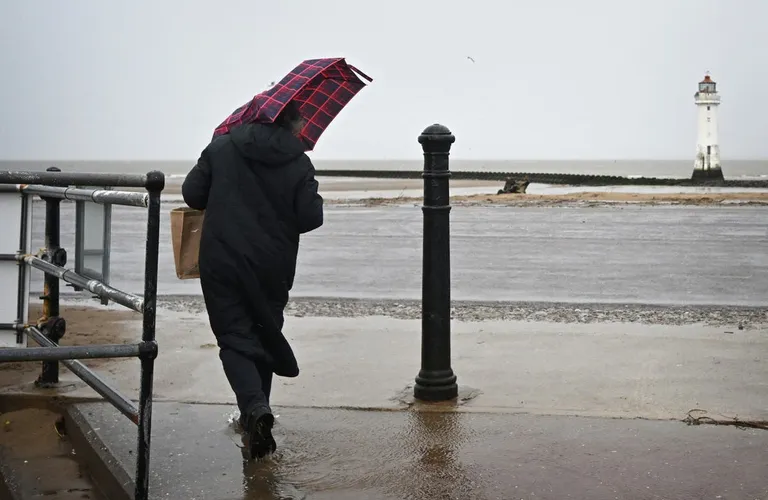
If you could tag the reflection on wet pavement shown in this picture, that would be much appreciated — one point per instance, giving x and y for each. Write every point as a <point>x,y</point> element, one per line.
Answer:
<point>420,460</point>
<point>393,455</point>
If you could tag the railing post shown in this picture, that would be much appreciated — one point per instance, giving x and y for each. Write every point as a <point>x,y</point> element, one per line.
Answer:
<point>22,293</point>
<point>52,326</point>
<point>155,185</point>
<point>436,380</point>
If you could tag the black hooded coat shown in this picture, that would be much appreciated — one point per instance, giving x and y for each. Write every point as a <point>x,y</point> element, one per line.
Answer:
<point>258,189</point>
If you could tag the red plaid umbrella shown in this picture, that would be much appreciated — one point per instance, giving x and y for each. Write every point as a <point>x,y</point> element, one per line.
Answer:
<point>321,87</point>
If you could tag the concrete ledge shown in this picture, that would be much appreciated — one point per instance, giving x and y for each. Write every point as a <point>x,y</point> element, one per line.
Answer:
<point>8,479</point>
<point>112,479</point>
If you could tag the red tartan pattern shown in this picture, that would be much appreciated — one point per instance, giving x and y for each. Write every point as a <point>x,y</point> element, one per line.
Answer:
<point>322,87</point>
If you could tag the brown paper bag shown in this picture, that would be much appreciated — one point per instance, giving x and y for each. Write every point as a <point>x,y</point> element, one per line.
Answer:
<point>186,227</point>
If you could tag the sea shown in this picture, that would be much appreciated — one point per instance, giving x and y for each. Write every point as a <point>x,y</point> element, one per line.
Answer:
<point>129,223</point>
<point>175,169</point>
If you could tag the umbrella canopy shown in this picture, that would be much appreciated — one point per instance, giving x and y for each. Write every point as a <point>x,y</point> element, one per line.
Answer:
<point>321,88</point>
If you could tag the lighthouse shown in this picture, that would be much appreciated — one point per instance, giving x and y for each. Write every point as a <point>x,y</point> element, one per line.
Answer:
<point>707,164</point>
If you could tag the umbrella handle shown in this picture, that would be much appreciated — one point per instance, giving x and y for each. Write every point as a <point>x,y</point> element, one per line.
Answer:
<point>360,73</point>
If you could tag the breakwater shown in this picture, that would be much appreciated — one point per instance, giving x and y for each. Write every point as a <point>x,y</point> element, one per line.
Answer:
<point>550,178</point>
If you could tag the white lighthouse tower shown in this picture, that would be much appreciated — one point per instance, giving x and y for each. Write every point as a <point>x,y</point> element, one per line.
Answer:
<point>707,165</point>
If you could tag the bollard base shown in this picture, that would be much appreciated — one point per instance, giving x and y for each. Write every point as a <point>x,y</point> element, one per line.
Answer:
<point>436,386</point>
<point>40,384</point>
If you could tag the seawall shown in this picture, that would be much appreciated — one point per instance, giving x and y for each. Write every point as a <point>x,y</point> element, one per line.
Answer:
<point>551,178</point>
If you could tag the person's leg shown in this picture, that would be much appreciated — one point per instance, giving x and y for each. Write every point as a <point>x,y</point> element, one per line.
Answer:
<point>266,374</point>
<point>255,414</point>
<point>266,381</point>
<point>245,380</point>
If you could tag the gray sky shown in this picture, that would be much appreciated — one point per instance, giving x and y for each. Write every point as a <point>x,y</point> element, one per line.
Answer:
<point>559,79</point>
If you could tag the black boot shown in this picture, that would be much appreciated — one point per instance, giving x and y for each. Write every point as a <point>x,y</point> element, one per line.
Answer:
<point>259,424</point>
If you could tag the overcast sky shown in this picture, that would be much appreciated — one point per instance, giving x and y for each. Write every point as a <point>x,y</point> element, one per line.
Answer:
<point>559,79</point>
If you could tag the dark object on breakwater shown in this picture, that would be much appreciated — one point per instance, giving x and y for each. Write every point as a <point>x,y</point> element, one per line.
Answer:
<point>514,186</point>
<point>549,178</point>
<point>436,380</point>
<point>708,175</point>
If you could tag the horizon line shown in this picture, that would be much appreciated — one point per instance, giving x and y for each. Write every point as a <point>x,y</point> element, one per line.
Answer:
<point>166,160</point>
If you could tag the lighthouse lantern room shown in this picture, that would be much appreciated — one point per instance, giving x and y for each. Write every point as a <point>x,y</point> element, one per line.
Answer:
<point>707,164</point>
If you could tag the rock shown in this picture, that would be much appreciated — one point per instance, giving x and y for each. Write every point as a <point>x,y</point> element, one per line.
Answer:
<point>514,186</point>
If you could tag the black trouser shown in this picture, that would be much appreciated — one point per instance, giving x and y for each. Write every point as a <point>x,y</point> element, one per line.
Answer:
<point>250,378</point>
<point>251,383</point>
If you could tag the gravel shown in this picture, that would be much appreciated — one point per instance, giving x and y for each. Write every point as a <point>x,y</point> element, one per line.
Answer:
<point>732,316</point>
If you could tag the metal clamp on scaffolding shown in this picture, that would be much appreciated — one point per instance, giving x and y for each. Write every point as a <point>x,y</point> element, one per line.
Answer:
<point>53,186</point>
<point>101,196</point>
<point>126,299</point>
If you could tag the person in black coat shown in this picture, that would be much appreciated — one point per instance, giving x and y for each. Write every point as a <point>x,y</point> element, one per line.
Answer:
<point>258,190</point>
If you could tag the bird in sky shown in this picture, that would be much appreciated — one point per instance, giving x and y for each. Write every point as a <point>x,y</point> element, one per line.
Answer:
<point>471,58</point>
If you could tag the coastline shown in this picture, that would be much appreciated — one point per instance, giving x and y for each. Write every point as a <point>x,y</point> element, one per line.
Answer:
<point>385,192</point>
<point>610,198</point>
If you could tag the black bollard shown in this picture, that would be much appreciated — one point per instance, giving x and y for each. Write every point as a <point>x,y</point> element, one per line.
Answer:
<point>53,327</point>
<point>436,380</point>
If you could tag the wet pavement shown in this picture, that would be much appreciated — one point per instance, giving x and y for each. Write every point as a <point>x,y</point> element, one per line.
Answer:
<point>36,463</point>
<point>601,369</point>
<point>342,454</point>
<point>627,254</point>
<point>561,375</point>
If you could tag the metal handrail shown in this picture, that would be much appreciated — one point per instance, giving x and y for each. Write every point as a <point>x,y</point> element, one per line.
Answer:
<point>56,178</point>
<point>55,186</point>
<point>129,300</point>
<point>62,353</point>
<point>123,404</point>
<point>101,196</point>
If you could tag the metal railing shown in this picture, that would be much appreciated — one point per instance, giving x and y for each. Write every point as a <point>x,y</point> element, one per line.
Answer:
<point>54,186</point>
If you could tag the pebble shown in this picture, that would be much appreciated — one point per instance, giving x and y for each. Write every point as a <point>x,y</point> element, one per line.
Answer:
<point>718,316</point>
